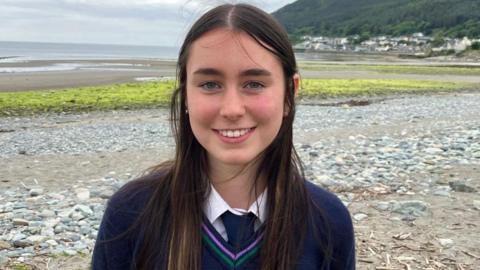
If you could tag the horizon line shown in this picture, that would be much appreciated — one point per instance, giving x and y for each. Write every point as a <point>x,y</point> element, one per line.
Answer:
<point>88,43</point>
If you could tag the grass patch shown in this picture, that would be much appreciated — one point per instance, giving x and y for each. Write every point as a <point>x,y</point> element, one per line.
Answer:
<point>21,266</point>
<point>427,70</point>
<point>157,94</point>
<point>395,69</point>
<point>356,87</point>
<point>117,96</point>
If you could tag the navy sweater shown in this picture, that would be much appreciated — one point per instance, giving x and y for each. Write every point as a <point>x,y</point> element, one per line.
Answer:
<point>217,254</point>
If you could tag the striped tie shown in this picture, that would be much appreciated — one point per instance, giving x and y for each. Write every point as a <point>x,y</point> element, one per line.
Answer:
<point>239,228</point>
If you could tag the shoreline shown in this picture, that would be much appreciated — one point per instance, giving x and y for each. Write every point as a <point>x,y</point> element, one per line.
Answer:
<point>60,74</point>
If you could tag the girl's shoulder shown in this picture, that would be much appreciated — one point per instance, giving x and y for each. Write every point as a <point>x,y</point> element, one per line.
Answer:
<point>332,220</point>
<point>329,203</point>
<point>119,234</point>
<point>332,209</point>
<point>130,200</point>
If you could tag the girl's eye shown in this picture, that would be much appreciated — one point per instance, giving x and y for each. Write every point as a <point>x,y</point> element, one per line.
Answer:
<point>254,85</point>
<point>210,85</point>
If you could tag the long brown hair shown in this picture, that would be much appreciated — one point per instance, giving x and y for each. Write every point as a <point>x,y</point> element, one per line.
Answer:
<point>174,213</point>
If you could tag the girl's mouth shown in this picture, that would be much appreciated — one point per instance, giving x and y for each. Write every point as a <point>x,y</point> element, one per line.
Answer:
<point>234,135</point>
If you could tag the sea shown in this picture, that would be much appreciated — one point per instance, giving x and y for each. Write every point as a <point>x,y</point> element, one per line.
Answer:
<point>11,51</point>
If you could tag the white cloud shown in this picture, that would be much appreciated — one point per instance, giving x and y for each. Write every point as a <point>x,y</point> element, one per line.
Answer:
<point>143,22</point>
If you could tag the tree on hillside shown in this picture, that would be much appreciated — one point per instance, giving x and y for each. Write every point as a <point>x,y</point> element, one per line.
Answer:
<point>475,46</point>
<point>455,18</point>
<point>438,40</point>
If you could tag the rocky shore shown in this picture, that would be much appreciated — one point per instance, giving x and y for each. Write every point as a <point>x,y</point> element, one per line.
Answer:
<point>407,167</point>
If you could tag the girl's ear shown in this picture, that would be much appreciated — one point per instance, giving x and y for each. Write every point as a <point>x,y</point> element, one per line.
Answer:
<point>296,86</point>
<point>296,83</point>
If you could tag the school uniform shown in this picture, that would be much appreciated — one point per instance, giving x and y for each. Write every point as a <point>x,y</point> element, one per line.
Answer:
<point>215,206</point>
<point>231,238</point>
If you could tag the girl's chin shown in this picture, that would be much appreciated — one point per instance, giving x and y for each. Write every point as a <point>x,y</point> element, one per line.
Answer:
<point>233,160</point>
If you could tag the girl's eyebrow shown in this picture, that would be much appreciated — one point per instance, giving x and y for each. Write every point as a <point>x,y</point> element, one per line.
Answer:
<point>208,71</point>
<point>255,72</point>
<point>248,72</point>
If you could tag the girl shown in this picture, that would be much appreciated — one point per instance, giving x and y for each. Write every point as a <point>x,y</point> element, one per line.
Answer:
<point>234,196</point>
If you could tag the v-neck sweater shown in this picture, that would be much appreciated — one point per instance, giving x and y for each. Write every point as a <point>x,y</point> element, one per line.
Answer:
<point>118,253</point>
<point>215,206</point>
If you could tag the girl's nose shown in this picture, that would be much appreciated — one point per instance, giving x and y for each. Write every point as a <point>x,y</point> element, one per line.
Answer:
<point>232,106</point>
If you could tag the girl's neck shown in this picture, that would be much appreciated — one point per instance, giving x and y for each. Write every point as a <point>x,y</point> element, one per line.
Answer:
<point>236,185</point>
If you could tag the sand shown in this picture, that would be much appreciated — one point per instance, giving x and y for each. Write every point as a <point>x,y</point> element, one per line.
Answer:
<point>92,73</point>
<point>108,71</point>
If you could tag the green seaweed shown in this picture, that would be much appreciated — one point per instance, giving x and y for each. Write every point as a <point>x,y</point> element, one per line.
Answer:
<point>395,69</point>
<point>158,94</point>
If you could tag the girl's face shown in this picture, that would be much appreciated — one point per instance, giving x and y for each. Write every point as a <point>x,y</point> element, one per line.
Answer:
<point>235,96</point>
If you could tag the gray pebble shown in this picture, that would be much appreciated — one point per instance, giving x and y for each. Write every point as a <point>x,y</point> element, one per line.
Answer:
<point>36,238</point>
<point>476,204</point>
<point>22,243</point>
<point>4,245</point>
<point>74,237</point>
<point>360,216</point>
<point>442,191</point>
<point>36,192</point>
<point>84,209</point>
<point>84,230</point>
<point>106,194</point>
<point>461,187</point>
<point>20,222</point>
<point>83,194</point>
<point>51,242</point>
<point>59,229</point>
<point>47,213</point>
<point>3,259</point>
<point>70,252</point>
<point>14,253</point>
<point>414,208</point>
<point>19,236</point>
<point>445,242</point>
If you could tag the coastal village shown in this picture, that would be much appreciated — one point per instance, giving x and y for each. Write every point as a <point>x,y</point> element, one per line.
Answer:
<point>416,44</point>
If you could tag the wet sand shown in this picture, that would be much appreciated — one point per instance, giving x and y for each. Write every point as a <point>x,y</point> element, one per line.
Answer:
<point>109,71</point>
<point>87,73</point>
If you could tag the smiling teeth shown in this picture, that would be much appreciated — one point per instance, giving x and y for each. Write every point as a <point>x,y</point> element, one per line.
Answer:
<point>234,133</point>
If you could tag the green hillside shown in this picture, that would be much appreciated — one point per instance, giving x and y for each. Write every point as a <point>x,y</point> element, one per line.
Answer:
<point>452,18</point>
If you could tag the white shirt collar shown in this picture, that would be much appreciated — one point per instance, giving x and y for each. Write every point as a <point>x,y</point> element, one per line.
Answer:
<point>215,206</point>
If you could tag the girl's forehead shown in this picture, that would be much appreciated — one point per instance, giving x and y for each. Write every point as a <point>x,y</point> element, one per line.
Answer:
<point>227,45</point>
<point>218,37</point>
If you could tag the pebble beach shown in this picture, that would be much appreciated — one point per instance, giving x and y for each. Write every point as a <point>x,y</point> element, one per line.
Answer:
<point>407,167</point>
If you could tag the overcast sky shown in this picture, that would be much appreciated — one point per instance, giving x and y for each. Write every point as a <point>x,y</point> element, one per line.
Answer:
<point>140,22</point>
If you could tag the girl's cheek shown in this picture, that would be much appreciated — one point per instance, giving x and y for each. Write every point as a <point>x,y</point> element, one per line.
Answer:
<point>267,106</point>
<point>204,110</point>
